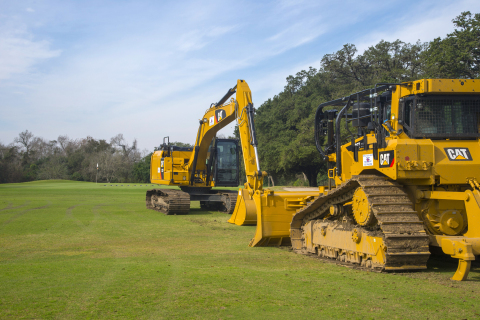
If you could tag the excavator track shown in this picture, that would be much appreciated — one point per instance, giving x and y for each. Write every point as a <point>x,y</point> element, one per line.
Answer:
<point>170,202</point>
<point>396,241</point>
<point>229,203</point>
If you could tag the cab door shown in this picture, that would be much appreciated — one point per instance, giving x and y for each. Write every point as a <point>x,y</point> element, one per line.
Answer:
<point>226,171</point>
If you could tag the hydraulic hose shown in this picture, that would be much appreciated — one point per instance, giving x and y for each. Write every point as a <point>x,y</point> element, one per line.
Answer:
<point>337,138</point>
<point>226,96</point>
<point>318,119</point>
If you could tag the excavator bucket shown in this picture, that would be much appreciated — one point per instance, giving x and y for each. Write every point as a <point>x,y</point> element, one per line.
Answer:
<point>275,211</point>
<point>245,212</point>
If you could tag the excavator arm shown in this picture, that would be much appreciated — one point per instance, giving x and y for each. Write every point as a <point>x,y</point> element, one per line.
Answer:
<point>217,117</point>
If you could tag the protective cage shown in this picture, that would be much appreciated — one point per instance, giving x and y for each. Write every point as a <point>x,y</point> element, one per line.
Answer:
<point>441,117</point>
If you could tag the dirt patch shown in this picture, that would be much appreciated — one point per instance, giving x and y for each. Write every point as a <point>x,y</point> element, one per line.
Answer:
<point>25,211</point>
<point>69,210</point>
<point>10,206</point>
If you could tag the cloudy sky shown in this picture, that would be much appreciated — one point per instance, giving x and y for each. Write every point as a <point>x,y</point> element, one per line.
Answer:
<point>149,69</point>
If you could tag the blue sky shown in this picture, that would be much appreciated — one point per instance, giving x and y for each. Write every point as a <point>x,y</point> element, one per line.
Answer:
<point>150,69</point>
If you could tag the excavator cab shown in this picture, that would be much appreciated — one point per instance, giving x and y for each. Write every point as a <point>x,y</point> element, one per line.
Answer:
<point>222,162</point>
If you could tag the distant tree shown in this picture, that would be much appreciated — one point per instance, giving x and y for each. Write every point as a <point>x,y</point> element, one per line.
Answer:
<point>141,169</point>
<point>285,128</point>
<point>181,144</point>
<point>25,139</point>
<point>11,169</point>
<point>67,145</point>
<point>347,72</point>
<point>458,54</point>
<point>395,61</point>
<point>129,155</point>
<point>53,168</point>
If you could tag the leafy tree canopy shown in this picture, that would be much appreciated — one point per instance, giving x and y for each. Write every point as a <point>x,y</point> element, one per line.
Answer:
<point>458,54</point>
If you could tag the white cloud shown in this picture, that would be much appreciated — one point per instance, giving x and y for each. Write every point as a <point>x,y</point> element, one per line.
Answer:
<point>19,53</point>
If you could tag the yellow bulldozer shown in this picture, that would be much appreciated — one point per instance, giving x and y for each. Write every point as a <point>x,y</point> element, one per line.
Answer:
<point>404,164</point>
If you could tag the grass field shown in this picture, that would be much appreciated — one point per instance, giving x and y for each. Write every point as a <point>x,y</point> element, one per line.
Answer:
<point>76,250</point>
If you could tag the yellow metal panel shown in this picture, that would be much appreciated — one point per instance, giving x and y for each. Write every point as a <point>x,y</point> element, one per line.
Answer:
<point>245,210</point>
<point>437,240</point>
<point>356,168</point>
<point>438,86</point>
<point>473,214</point>
<point>456,172</point>
<point>273,221</point>
<point>452,86</point>
<point>341,240</point>
<point>446,195</point>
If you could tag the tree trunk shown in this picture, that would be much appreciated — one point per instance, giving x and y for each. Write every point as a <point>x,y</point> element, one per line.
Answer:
<point>311,173</point>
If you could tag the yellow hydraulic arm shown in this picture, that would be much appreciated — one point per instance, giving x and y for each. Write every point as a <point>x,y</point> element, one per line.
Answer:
<point>217,117</point>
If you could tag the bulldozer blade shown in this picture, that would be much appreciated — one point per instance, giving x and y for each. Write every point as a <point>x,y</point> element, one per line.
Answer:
<point>275,211</point>
<point>245,211</point>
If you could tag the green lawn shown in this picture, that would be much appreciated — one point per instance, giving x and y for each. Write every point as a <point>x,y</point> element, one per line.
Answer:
<point>76,250</point>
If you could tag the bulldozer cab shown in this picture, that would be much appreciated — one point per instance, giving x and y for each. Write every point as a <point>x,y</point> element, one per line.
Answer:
<point>440,117</point>
<point>222,162</point>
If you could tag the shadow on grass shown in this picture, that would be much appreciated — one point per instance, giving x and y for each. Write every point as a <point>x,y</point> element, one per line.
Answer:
<point>198,211</point>
<point>441,267</point>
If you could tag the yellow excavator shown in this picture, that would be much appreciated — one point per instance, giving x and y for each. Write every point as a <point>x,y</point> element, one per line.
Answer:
<point>212,163</point>
<point>404,164</point>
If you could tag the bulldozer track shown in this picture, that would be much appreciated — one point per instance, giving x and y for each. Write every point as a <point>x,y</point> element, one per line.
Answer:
<point>168,201</point>
<point>397,223</point>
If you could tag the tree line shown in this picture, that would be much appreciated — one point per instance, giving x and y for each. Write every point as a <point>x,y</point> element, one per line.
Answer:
<point>284,123</point>
<point>34,158</point>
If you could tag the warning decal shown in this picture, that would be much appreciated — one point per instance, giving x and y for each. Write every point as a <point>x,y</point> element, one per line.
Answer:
<point>161,168</point>
<point>458,154</point>
<point>386,159</point>
<point>368,160</point>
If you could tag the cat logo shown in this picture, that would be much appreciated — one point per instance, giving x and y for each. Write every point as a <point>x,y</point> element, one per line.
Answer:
<point>458,154</point>
<point>386,159</point>
<point>219,115</point>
